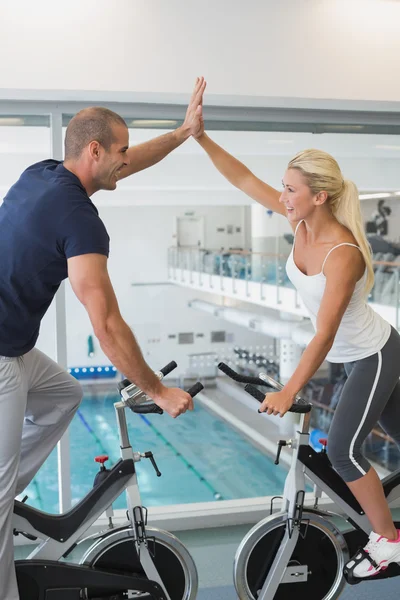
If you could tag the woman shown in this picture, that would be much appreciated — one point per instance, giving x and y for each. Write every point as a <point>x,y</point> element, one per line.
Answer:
<point>331,267</point>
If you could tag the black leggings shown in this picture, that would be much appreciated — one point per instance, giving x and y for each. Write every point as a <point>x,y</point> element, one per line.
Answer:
<point>370,395</point>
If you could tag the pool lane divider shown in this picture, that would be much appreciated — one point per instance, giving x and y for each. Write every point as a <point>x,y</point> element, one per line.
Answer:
<point>35,484</point>
<point>216,494</point>
<point>95,437</point>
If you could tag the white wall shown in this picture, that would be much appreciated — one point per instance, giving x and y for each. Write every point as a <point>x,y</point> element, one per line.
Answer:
<point>152,49</point>
<point>217,219</point>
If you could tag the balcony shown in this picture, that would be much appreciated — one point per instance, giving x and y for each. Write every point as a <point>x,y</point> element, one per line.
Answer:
<point>260,278</point>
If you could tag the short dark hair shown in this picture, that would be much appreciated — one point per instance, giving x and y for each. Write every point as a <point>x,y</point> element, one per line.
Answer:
<point>88,125</point>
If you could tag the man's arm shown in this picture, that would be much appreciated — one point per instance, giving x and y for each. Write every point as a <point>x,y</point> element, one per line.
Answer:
<point>149,153</point>
<point>91,283</point>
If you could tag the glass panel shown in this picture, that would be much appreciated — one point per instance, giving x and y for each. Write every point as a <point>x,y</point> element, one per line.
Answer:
<point>201,457</point>
<point>140,217</point>
<point>24,140</point>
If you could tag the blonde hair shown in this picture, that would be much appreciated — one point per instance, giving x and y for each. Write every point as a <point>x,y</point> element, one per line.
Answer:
<point>322,173</point>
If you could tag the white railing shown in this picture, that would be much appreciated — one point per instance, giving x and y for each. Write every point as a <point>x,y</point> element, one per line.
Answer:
<point>260,278</point>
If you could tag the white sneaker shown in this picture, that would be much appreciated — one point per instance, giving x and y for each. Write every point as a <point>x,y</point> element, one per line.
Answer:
<point>381,552</point>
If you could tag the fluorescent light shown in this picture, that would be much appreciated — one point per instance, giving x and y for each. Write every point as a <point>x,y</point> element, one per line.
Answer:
<point>374,196</point>
<point>397,193</point>
<point>152,123</point>
<point>387,147</point>
<point>343,126</point>
<point>12,121</point>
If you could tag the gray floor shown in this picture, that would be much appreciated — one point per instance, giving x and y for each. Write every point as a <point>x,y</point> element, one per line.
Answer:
<point>214,551</point>
<point>222,593</point>
<point>370,591</point>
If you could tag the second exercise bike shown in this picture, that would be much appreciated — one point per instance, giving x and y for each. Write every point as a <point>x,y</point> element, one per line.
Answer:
<point>300,550</point>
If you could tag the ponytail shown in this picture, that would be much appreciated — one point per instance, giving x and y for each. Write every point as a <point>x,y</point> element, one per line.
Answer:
<point>347,210</point>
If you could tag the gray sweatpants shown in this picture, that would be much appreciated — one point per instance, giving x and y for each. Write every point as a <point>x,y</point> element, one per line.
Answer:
<point>37,402</point>
<point>370,395</point>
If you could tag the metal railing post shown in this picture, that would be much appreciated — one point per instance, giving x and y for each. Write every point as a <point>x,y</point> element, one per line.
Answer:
<point>247,272</point>
<point>234,277</point>
<point>201,269</point>
<point>191,261</point>
<point>221,272</point>
<point>262,279</point>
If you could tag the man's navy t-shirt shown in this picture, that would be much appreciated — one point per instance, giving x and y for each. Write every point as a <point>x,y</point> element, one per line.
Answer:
<point>46,218</point>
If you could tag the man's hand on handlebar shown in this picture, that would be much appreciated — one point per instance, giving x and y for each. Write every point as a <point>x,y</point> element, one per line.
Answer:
<point>277,403</point>
<point>174,401</point>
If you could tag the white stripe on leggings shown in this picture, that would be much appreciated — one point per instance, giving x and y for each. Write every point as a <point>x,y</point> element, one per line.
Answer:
<point>353,441</point>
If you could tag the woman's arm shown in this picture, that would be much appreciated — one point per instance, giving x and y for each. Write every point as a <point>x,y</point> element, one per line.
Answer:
<point>240,176</point>
<point>342,272</point>
<point>145,155</point>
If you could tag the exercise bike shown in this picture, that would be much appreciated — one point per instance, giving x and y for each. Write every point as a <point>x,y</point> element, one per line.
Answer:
<point>132,561</point>
<point>299,550</point>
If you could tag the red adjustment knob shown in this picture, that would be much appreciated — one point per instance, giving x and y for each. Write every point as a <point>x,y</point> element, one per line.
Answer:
<point>323,442</point>
<point>101,459</point>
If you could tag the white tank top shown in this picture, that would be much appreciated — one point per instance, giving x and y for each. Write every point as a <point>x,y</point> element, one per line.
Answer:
<point>362,332</point>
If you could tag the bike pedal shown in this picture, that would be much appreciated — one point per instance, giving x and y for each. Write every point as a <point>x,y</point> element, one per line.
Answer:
<point>351,580</point>
<point>29,536</point>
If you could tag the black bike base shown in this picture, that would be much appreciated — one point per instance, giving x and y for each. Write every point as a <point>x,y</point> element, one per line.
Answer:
<point>51,580</point>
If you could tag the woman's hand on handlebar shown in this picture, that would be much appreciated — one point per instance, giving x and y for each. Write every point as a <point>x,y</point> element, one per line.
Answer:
<point>277,403</point>
<point>174,401</point>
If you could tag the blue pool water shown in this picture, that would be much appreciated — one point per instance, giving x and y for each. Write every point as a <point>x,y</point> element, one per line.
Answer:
<point>200,456</point>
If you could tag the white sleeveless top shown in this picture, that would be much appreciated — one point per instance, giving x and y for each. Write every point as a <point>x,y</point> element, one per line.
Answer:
<point>362,332</point>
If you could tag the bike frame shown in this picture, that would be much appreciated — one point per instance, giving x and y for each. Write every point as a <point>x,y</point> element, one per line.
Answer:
<point>293,502</point>
<point>54,550</point>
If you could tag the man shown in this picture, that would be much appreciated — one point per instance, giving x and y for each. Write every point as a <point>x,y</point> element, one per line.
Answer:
<point>50,230</point>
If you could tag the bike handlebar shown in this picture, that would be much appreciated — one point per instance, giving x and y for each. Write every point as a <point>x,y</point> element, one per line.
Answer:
<point>147,406</point>
<point>195,389</point>
<point>168,368</point>
<point>239,378</point>
<point>299,406</point>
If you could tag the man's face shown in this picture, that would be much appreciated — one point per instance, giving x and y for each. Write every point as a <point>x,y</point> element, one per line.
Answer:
<point>113,159</point>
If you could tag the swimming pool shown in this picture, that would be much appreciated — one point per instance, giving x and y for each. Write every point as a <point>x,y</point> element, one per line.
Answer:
<point>200,456</point>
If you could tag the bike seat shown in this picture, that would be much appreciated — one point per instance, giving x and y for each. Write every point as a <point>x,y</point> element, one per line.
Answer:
<point>61,527</point>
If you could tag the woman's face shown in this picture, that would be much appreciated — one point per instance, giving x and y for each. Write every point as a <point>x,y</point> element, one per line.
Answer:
<point>297,197</point>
